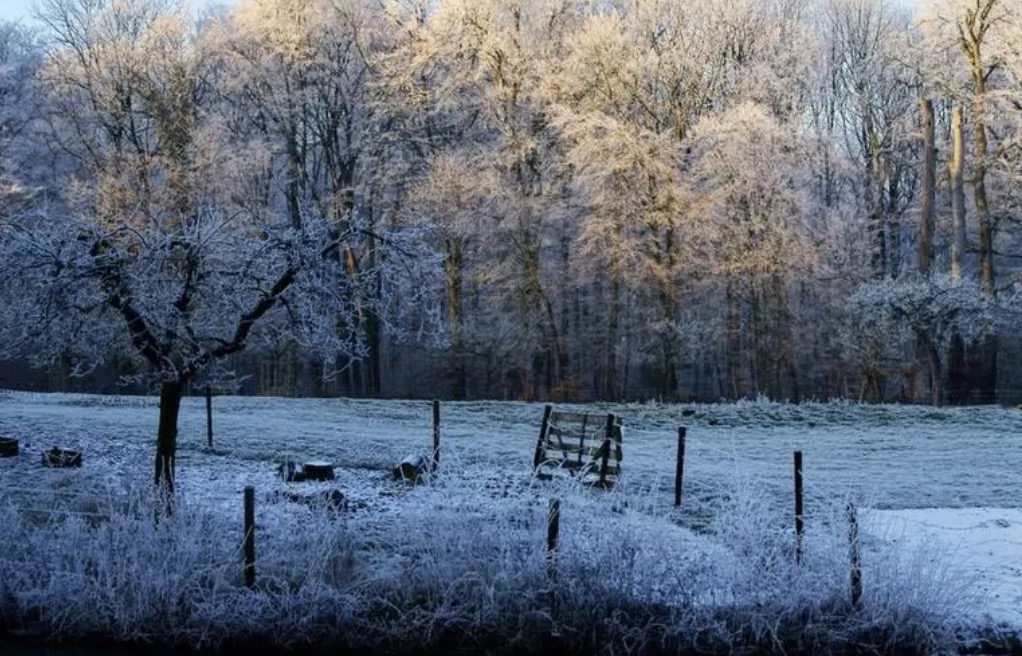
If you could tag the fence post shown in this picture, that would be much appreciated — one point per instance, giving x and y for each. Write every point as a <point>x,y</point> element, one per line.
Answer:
<point>249,536</point>
<point>209,416</point>
<point>552,530</point>
<point>679,469</point>
<point>542,436</point>
<point>608,440</point>
<point>799,517</point>
<point>855,556</point>
<point>436,435</point>
<point>553,527</point>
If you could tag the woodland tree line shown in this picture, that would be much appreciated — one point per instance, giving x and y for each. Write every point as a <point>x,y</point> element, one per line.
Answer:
<point>533,199</point>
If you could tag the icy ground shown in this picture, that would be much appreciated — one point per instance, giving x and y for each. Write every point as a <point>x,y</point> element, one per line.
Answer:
<point>940,481</point>
<point>982,546</point>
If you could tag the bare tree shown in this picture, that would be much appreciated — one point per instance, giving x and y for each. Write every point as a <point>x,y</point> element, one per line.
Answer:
<point>149,251</point>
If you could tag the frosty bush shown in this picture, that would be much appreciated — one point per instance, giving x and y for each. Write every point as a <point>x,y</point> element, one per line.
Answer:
<point>450,568</point>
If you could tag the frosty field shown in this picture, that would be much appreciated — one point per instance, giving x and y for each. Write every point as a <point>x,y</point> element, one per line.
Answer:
<point>940,492</point>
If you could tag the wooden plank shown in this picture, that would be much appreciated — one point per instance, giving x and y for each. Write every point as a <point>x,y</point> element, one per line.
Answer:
<point>576,418</point>
<point>573,450</point>
<point>591,432</point>
<point>574,432</point>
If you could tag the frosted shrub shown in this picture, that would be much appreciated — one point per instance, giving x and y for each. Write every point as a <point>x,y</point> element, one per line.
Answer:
<point>461,564</point>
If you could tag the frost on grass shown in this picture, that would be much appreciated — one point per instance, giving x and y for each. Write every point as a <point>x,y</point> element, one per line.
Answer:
<point>461,561</point>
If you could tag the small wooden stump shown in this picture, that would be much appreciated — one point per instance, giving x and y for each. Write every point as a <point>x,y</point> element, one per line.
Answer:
<point>57,457</point>
<point>412,468</point>
<point>8,447</point>
<point>318,471</point>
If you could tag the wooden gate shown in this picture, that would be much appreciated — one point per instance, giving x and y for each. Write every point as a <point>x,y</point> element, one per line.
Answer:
<point>584,445</point>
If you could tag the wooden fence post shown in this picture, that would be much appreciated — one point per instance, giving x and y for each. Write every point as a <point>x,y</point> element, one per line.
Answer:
<point>855,554</point>
<point>436,435</point>
<point>552,530</point>
<point>608,440</point>
<point>542,436</point>
<point>249,536</point>
<point>799,517</point>
<point>553,527</point>
<point>679,469</point>
<point>209,416</point>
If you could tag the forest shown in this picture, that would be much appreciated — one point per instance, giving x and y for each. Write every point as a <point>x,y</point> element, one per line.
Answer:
<point>572,200</point>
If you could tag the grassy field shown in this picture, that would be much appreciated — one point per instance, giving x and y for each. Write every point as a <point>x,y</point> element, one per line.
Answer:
<point>463,559</point>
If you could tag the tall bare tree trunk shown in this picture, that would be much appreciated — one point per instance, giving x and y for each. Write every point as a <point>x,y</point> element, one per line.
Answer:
<point>453,274</point>
<point>957,383</point>
<point>989,347</point>
<point>936,374</point>
<point>928,190</point>
<point>610,388</point>
<point>734,342</point>
<point>973,31</point>
<point>956,170</point>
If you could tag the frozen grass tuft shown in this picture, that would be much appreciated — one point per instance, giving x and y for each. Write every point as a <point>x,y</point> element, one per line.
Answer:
<point>461,564</point>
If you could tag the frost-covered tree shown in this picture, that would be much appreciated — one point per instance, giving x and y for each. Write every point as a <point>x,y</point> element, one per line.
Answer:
<point>151,247</point>
<point>477,67</point>
<point>931,310</point>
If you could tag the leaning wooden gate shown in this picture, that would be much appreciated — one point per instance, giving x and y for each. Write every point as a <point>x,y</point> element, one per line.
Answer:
<point>585,445</point>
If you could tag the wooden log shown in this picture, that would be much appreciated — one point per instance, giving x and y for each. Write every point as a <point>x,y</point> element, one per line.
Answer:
<point>412,468</point>
<point>57,457</point>
<point>8,447</point>
<point>318,471</point>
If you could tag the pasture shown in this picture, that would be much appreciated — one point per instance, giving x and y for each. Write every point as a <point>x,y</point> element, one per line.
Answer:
<point>462,561</point>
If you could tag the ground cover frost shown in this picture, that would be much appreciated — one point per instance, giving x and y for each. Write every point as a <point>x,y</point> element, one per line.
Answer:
<point>462,563</point>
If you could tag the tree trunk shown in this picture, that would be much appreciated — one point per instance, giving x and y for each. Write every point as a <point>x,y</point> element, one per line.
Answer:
<point>990,346</point>
<point>166,436</point>
<point>973,28</point>
<point>986,238</point>
<point>956,170</point>
<point>734,343</point>
<point>928,187</point>
<point>936,375</point>
<point>453,274</point>
<point>957,383</point>
<point>613,318</point>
